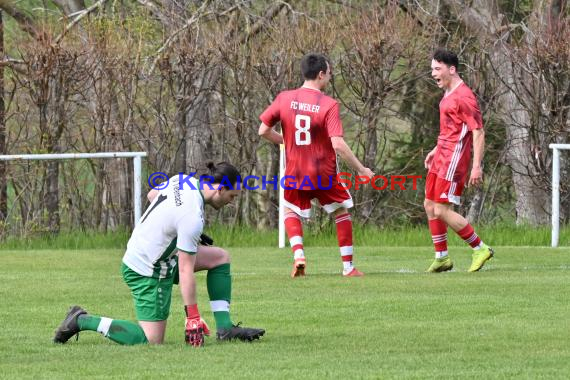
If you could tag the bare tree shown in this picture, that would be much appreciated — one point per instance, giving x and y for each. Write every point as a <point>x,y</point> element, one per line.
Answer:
<point>382,53</point>
<point>3,164</point>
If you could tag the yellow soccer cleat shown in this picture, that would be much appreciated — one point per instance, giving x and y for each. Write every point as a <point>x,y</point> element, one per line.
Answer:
<point>480,257</point>
<point>440,265</point>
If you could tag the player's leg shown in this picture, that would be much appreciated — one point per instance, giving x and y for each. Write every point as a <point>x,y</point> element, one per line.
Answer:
<point>154,331</point>
<point>219,282</point>
<point>336,201</point>
<point>297,205</point>
<point>152,304</point>
<point>437,227</point>
<point>444,211</point>
<point>294,229</point>
<point>152,298</point>
<point>119,331</point>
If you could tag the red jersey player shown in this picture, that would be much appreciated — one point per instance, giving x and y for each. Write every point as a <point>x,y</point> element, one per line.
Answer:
<point>460,125</point>
<point>313,136</point>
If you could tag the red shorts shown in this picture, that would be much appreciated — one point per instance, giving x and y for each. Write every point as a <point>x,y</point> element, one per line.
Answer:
<point>331,200</point>
<point>442,191</point>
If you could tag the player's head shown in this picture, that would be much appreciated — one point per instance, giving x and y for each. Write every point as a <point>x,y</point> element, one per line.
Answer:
<point>444,66</point>
<point>317,68</point>
<point>223,178</point>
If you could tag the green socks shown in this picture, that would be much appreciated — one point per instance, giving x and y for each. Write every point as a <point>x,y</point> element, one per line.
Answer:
<point>122,332</point>
<point>219,281</point>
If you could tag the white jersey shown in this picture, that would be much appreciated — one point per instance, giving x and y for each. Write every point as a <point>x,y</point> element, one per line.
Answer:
<point>173,221</point>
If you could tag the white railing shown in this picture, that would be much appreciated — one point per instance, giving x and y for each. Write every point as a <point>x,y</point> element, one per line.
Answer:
<point>281,197</point>
<point>136,156</point>
<point>556,148</point>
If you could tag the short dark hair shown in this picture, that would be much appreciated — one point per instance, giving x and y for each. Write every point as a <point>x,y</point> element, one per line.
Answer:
<point>223,173</point>
<point>312,64</point>
<point>447,57</point>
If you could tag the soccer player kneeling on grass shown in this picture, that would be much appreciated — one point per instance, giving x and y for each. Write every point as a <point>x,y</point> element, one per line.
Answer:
<point>165,245</point>
<point>461,125</point>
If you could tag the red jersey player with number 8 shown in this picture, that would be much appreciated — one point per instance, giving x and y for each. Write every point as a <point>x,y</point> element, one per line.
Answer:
<point>313,136</point>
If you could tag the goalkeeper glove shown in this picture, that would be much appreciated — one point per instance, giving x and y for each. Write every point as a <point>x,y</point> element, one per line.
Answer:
<point>196,327</point>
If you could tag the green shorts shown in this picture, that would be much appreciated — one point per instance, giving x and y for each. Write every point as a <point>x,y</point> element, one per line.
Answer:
<point>152,296</point>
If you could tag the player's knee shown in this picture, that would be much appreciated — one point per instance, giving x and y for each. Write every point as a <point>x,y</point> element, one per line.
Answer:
<point>439,211</point>
<point>224,256</point>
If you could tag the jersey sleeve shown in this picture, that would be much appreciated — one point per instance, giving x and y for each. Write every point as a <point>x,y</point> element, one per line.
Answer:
<point>470,113</point>
<point>271,115</point>
<point>333,122</point>
<point>188,235</point>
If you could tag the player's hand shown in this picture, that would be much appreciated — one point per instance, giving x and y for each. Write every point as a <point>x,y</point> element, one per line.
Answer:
<point>195,330</point>
<point>429,159</point>
<point>366,172</point>
<point>476,176</point>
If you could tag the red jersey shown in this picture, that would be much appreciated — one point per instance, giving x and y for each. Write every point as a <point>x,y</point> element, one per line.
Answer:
<point>459,114</point>
<point>308,119</point>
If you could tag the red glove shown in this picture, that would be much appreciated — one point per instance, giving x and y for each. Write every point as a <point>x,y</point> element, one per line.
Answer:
<point>196,327</point>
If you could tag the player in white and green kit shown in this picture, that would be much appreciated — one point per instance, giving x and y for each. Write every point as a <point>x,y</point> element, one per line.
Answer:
<point>166,245</point>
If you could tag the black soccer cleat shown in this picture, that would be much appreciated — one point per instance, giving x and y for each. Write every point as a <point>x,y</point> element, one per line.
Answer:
<point>69,326</point>
<point>245,334</point>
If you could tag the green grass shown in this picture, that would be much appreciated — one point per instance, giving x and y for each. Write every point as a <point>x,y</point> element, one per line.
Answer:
<point>508,321</point>
<point>416,236</point>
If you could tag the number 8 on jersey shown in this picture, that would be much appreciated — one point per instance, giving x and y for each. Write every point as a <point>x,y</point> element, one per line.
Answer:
<point>302,126</point>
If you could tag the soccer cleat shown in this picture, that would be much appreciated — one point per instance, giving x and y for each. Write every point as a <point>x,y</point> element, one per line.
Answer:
<point>480,257</point>
<point>244,334</point>
<point>353,273</point>
<point>69,326</point>
<point>298,267</point>
<point>440,265</point>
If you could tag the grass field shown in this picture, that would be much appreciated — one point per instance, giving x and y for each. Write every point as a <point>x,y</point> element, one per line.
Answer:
<point>511,320</point>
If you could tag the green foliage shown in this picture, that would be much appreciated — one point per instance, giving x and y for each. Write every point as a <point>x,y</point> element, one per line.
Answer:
<point>72,240</point>
<point>516,10</point>
<point>509,321</point>
<point>315,236</point>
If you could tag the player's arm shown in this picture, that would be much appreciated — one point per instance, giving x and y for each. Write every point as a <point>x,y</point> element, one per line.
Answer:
<point>470,113</point>
<point>152,194</point>
<point>269,118</point>
<point>269,134</point>
<point>344,151</point>
<point>333,125</point>
<point>429,158</point>
<point>186,262</point>
<point>188,235</point>
<point>196,327</point>
<point>478,149</point>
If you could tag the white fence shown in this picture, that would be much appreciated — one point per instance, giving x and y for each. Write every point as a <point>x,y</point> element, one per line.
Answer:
<point>556,148</point>
<point>136,156</point>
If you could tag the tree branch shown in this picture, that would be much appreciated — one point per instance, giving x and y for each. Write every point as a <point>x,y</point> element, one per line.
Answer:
<point>78,18</point>
<point>155,11</point>
<point>260,24</point>
<point>195,17</point>
<point>25,22</point>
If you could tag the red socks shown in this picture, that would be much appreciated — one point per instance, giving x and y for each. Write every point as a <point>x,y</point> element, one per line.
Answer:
<point>344,235</point>
<point>469,236</point>
<point>438,230</point>
<point>294,230</point>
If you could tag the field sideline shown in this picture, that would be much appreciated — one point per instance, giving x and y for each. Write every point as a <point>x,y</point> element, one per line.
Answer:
<point>510,320</point>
